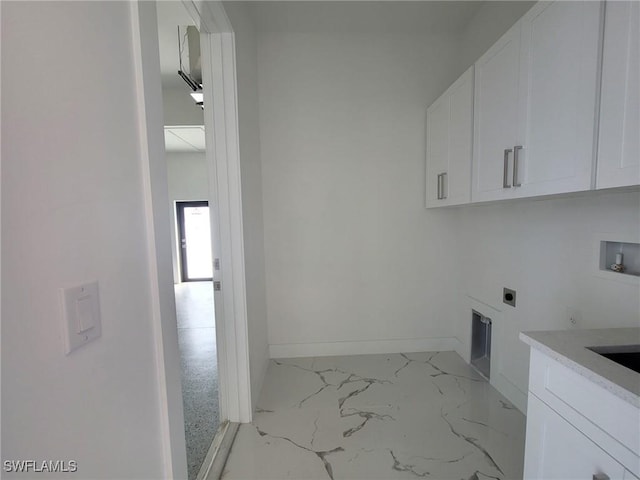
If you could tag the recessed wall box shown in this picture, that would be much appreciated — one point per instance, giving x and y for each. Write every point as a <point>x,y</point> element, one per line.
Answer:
<point>509,296</point>
<point>620,257</point>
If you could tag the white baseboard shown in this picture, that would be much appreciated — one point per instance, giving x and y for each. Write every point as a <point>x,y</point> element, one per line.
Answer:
<point>257,387</point>
<point>510,391</point>
<point>294,350</point>
<point>463,350</point>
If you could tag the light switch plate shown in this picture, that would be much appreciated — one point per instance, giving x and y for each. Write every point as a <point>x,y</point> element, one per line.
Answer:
<point>81,315</point>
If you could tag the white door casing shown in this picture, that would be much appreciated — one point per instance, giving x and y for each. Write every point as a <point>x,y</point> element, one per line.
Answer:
<point>146,60</point>
<point>223,159</point>
<point>217,44</point>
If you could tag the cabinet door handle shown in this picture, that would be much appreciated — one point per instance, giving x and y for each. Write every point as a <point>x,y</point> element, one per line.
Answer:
<point>600,476</point>
<point>444,190</point>
<point>505,169</point>
<point>439,197</point>
<point>516,149</point>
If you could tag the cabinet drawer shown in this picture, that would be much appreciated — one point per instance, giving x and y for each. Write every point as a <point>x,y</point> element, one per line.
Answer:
<point>556,450</point>
<point>608,420</point>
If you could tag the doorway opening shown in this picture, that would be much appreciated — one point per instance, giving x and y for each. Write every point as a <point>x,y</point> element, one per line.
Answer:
<point>222,162</point>
<point>194,234</point>
<point>192,257</point>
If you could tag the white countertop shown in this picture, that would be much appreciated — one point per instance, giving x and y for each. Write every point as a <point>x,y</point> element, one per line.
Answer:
<point>569,347</point>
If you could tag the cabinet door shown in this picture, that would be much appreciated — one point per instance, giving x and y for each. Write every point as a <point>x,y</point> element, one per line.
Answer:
<point>495,116</point>
<point>557,450</point>
<point>557,100</point>
<point>449,138</point>
<point>619,142</point>
<point>437,149</point>
<point>458,178</point>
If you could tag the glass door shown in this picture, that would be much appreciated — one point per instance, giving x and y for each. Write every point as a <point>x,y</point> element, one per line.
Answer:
<point>195,241</point>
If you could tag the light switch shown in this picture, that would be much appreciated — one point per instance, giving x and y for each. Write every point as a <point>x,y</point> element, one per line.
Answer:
<point>84,313</point>
<point>81,314</point>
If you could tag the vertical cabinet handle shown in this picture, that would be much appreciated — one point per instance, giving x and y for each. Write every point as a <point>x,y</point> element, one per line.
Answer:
<point>439,195</point>
<point>516,149</point>
<point>505,169</point>
<point>444,190</point>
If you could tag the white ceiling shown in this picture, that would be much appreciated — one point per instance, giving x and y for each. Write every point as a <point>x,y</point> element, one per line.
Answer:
<point>184,139</point>
<point>390,16</point>
<point>342,16</point>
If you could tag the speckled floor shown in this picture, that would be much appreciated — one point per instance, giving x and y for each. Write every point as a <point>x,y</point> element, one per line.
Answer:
<point>199,363</point>
<point>398,416</point>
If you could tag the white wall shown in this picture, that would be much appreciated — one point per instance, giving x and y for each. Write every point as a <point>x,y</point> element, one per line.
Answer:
<point>488,25</point>
<point>353,260</point>
<point>251,173</point>
<point>546,251</point>
<point>72,211</point>
<point>179,107</point>
<point>187,179</point>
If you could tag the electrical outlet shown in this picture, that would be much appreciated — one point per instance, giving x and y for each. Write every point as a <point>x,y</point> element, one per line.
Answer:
<point>574,318</point>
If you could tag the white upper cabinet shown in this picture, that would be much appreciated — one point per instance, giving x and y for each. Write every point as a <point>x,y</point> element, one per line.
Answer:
<point>495,117</point>
<point>437,150</point>
<point>535,104</point>
<point>558,91</point>
<point>449,137</point>
<point>619,140</point>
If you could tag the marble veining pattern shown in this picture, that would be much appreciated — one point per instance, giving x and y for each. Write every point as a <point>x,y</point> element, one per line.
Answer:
<point>397,416</point>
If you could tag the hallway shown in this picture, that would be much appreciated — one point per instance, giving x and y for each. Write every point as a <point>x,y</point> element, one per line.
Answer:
<point>385,417</point>
<point>199,369</point>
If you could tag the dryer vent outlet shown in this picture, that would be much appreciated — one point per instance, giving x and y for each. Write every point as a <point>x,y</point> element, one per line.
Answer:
<point>509,296</point>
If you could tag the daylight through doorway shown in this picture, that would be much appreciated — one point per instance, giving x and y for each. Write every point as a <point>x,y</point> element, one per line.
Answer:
<point>194,231</point>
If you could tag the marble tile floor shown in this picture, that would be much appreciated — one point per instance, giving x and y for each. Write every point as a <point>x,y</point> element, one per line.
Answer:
<point>396,416</point>
<point>199,369</point>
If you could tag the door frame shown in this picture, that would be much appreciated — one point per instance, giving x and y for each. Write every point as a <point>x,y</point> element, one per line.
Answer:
<point>182,237</point>
<point>223,161</point>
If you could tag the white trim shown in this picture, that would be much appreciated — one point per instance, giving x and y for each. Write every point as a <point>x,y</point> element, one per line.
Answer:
<point>510,391</point>
<point>223,161</point>
<point>209,16</point>
<point>154,176</point>
<point>218,451</point>
<point>259,383</point>
<point>463,350</point>
<point>406,345</point>
<point>0,223</point>
<point>222,445</point>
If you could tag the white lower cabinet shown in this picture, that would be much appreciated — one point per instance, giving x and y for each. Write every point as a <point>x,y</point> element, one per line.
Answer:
<point>556,450</point>
<point>576,429</point>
